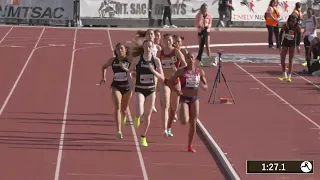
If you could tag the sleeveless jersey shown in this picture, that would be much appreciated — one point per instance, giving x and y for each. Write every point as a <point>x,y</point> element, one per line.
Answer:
<point>290,34</point>
<point>119,75</point>
<point>154,50</point>
<point>144,76</point>
<point>190,80</point>
<point>310,27</point>
<point>167,60</point>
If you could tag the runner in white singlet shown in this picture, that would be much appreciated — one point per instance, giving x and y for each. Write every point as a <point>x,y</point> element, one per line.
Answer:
<point>310,34</point>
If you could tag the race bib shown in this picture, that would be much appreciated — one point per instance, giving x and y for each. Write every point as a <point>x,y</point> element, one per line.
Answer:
<point>289,37</point>
<point>146,78</point>
<point>193,82</point>
<point>167,63</point>
<point>120,76</point>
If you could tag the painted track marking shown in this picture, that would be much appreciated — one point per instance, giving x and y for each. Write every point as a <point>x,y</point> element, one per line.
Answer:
<point>64,122</point>
<point>283,100</point>
<point>143,168</point>
<point>21,72</point>
<point>4,37</point>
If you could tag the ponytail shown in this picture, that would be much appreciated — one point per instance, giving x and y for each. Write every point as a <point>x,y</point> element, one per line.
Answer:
<point>143,33</point>
<point>138,50</point>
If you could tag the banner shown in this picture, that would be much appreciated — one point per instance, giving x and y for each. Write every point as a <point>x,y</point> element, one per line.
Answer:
<point>253,10</point>
<point>37,9</point>
<point>182,9</point>
<point>130,9</point>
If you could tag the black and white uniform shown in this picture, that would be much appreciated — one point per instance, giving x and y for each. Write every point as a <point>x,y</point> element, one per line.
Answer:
<point>292,36</point>
<point>120,79</point>
<point>144,76</point>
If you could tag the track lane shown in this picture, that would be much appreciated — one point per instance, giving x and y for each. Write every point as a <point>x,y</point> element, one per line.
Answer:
<point>31,122</point>
<point>258,127</point>
<point>13,59</point>
<point>90,131</point>
<point>167,157</point>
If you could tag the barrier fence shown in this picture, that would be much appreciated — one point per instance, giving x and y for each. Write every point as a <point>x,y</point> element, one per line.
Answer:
<point>135,12</point>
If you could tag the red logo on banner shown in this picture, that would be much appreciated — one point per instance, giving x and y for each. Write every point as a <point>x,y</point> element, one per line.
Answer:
<point>250,4</point>
<point>284,5</point>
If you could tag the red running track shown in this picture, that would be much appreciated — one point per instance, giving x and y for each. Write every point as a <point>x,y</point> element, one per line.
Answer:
<point>49,100</point>
<point>34,99</point>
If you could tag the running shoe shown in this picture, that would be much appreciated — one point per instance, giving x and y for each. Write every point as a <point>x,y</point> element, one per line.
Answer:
<point>119,135</point>
<point>137,122</point>
<point>154,109</point>
<point>143,141</point>
<point>169,132</point>
<point>124,120</point>
<point>190,149</point>
<point>283,78</point>
<point>289,79</point>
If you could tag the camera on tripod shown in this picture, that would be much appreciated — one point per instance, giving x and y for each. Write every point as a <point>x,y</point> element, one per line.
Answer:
<point>217,79</point>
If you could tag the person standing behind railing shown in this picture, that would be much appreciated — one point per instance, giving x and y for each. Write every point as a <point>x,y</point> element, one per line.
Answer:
<point>203,22</point>
<point>224,13</point>
<point>272,17</point>
<point>297,11</point>
<point>167,14</point>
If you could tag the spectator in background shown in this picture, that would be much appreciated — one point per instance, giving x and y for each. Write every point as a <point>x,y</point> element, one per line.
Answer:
<point>309,34</point>
<point>272,17</point>
<point>203,22</point>
<point>167,14</point>
<point>224,13</point>
<point>297,11</point>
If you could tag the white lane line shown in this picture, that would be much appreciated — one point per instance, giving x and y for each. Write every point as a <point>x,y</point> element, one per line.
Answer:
<point>283,100</point>
<point>21,73</point>
<point>136,141</point>
<point>59,157</point>
<point>4,37</point>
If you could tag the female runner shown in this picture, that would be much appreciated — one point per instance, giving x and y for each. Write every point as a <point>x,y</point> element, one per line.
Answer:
<point>190,77</point>
<point>177,43</point>
<point>309,34</point>
<point>290,42</point>
<point>120,88</point>
<point>157,38</point>
<point>150,35</point>
<point>171,59</point>
<point>147,67</point>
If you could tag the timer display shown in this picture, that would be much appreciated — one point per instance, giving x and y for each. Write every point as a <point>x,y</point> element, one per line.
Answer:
<point>273,167</point>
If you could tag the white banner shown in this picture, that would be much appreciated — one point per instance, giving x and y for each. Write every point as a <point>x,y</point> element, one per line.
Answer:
<point>253,10</point>
<point>131,9</point>
<point>182,9</point>
<point>37,9</point>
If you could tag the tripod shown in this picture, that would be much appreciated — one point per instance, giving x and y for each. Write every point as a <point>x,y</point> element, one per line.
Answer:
<point>217,80</point>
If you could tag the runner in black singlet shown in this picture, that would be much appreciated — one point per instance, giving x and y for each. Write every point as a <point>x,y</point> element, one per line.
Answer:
<point>147,68</point>
<point>120,88</point>
<point>290,42</point>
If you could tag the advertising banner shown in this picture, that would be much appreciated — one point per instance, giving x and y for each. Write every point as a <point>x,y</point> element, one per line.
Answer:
<point>253,10</point>
<point>183,9</point>
<point>123,9</point>
<point>37,9</point>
